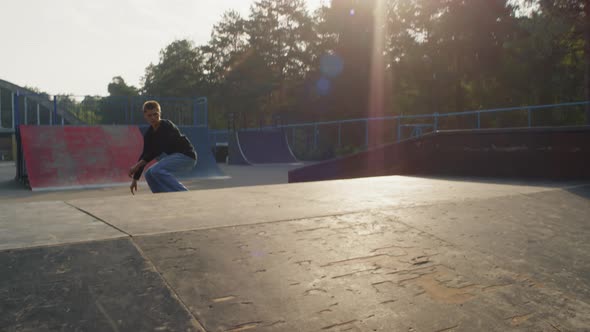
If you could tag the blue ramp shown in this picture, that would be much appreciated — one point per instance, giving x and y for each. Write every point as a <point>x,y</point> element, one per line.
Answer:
<point>235,155</point>
<point>206,165</point>
<point>260,147</point>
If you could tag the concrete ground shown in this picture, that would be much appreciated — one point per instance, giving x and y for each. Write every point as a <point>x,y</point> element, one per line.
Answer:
<point>237,176</point>
<point>376,254</point>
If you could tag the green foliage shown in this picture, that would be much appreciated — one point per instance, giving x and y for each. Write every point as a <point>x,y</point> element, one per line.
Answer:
<point>180,72</point>
<point>399,57</point>
<point>118,87</point>
<point>88,110</point>
<point>347,150</point>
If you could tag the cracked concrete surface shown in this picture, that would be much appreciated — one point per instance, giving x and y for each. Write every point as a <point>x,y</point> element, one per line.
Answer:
<point>362,271</point>
<point>380,254</point>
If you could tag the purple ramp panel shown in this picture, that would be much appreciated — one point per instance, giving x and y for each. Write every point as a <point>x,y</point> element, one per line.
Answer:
<point>265,147</point>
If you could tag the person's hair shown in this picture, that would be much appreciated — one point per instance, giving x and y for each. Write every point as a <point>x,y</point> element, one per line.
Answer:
<point>151,105</point>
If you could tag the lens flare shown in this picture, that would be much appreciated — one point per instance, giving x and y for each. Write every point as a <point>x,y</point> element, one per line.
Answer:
<point>323,86</point>
<point>331,65</point>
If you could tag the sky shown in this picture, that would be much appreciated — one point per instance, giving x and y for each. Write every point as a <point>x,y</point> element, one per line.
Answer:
<point>78,46</point>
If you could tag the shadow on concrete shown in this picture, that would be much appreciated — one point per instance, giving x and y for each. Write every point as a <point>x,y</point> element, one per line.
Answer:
<point>582,191</point>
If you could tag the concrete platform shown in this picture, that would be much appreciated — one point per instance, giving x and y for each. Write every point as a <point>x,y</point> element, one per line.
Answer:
<point>149,214</point>
<point>48,223</point>
<point>97,286</point>
<point>375,254</point>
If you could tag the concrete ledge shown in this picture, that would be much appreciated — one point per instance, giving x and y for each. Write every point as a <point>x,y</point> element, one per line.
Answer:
<point>24,225</point>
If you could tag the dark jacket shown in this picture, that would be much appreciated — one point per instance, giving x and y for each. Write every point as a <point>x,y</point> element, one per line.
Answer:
<point>167,139</point>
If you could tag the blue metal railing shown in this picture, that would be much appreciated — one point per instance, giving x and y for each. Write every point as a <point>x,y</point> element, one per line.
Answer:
<point>432,123</point>
<point>104,110</point>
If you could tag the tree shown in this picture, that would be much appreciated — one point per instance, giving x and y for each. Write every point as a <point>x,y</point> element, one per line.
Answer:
<point>88,110</point>
<point>229,40</point>
<point>465,45</point>
<point>353,24</point>
<point>388,56</point>
<point>281,33</point>
<point>179,73</point>
<point>118,87</point>
<point>246,89</point>
<point>577,14</point>
<point>115,108</point>
<point>224,52</point>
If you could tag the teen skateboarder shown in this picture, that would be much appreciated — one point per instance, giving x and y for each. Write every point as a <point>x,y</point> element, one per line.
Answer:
<point>164,142</point>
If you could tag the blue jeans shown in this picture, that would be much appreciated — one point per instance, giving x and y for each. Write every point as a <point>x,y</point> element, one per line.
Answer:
<point>161,177</point>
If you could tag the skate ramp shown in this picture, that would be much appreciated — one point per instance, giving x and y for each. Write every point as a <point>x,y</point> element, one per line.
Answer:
<point>206,165</point>
<point>260,147</point>
<point>235,155</point>
<point>72,157</point>
<point>555,153</point>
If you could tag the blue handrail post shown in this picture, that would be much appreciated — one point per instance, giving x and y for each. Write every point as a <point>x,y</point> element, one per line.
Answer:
<point>54,110</point>
<point>315,137</point>
<point>16,121</point>
<point>478,120</point>
<point>195,111</point>
<point>435,121</point>
<point>206,112</point>
<point>12,100</point>
<point>529,116</point>
<point>399,129</point>
<point>340,134</point>
<point>26,108</point>
<point>127,115</point>
<point>16,111</point>
<point>131,110</point>
<point>366,133</point>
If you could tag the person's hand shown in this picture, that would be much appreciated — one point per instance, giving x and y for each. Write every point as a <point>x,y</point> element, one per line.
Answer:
<point>135,168</point>
<point>133,186</point>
